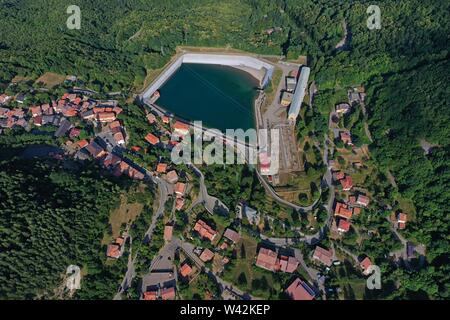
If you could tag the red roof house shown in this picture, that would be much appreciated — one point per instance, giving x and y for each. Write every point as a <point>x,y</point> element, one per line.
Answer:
<point>343,211</point>
<point>267,259</point>
<point>207,255</point>
<point>185,270</point>
<point>205,231</point>
<point>347,183</point>
<point>323,255</point>
<point>300,290</point>
<point>363,200</point>
<point>180,189</point>
<point>152,139</point>
<point>150,295</point>
<point>365,264</point>
<point>344,225</point>
<point>232,235</point>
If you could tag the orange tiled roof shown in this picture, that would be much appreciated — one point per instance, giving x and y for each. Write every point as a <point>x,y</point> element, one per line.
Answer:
<point>299,290</point>
<point>347,183</point>
<point>344,225</point>
<point>342,210</point>
<point>185,270</point>
<point>205,231</point>
<point>152,139</point>
<point>206,255</point>
<point>323,255</point>
<point>267,259</point>
<point>161,168</point>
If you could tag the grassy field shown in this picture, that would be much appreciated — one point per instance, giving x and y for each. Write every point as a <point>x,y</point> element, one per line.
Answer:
<point>50,79</point>
<point>244,264</point>
<point>127,212</point>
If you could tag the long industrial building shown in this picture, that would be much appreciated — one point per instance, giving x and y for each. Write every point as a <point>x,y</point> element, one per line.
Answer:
<point>299,94</point>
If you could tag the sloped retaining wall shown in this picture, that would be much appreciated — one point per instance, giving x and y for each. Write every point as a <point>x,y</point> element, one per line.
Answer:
<point>219,59</point>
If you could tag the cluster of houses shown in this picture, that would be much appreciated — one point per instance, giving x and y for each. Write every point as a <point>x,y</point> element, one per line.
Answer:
<point>353,206</point>
<point>160,293</point>
<point>229,239</point>
<point>10,118</point>
<point>166,138</point>
<point>273,261</point>
<point>171,177</point>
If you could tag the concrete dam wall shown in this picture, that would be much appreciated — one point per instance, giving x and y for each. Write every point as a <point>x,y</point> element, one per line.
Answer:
<point>237,61</point>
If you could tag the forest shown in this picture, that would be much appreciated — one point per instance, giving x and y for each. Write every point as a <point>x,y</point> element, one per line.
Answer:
<point>53,215</point>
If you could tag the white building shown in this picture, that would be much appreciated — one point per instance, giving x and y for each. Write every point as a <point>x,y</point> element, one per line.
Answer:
<point>299,94</point>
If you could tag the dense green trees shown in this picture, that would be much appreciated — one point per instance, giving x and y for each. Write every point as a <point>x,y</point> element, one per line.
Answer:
<point>54,215</point>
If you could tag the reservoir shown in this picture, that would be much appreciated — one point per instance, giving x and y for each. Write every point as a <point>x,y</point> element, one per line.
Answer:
<point>221,96</point>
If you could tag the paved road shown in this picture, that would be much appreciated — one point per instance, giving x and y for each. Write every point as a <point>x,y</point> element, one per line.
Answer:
<point>164,192</point>
<point>129,275</point>
<point>211,203</point>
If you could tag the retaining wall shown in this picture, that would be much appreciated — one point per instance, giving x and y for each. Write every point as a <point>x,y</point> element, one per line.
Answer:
<point>219,59</point>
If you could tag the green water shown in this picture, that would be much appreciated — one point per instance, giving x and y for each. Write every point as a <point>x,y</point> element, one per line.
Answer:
<point>220,96</point>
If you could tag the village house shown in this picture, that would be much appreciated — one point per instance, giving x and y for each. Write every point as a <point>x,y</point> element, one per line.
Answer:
<point>74,133</point>
<point>180,189</point>
<point>342,108</point>
<point>168,231</point>
<point>343,226</point>
<point>402,218</point>
<point>111,160</point>
<point>152,139</point>
<point>179,203</point>
<point>172,177</point>
<point>287,264</point>
<point>362,200</point>
<point>232,235</point>
<point>161,168</point>
<point>121,168</point>
<point>185,270</point>
<point>4,99</point>
<point>365,264</point>
<point>346,138</point>
<point>342,210</point>
<point>338,175</point>
<point>106,116</point>
<point>134,173</point>
<point>151,118</point>
<point>95,150</point>
<point>324,256</point>
<point>347,183</point>
<point>268,259</point>
<point>207,255</point>
<point>205,231</point>
<point>165,119</point>
<point>114,250</point>
<point>150,295</point>
<point>300,290</point>
<point>181,129</point>
<point>168,293</point>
